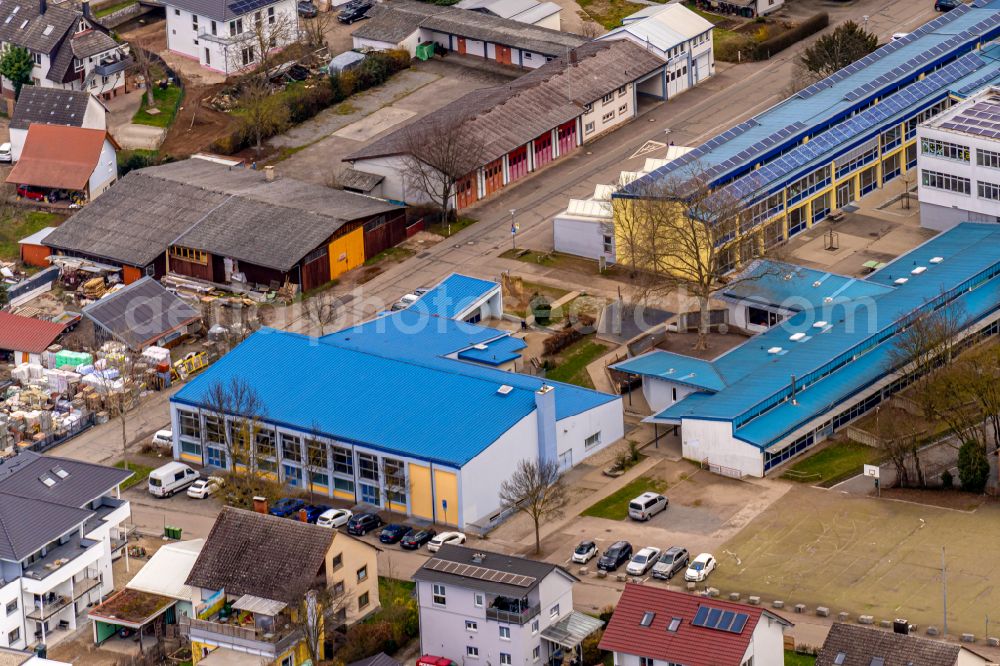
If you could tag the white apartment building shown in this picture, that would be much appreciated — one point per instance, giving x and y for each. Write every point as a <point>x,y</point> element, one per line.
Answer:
<point>70,50</point>
<point>226,36</point>
<point>959,163</point>
<point>490,608</point>
<point>61,525</point>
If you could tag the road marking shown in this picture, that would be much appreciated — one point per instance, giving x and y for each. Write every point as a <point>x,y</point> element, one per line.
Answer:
<point>648,147</point>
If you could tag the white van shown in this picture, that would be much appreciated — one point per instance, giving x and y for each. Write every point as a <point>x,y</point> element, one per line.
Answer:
<point>171,478</point>
<point>646,505</point>
<point>163,438</point>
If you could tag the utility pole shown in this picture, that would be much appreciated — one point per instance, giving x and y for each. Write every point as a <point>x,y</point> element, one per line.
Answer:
<point>944,590</point>
<point>513,230</point>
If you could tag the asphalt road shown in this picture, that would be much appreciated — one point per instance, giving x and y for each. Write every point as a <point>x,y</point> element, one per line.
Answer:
<point>736,93</point>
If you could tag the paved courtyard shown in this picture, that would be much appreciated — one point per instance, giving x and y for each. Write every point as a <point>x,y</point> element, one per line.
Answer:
<point>868,556</point>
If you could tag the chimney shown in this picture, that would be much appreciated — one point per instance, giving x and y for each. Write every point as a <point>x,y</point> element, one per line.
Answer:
<point>260,504</point>
<point>86,9</point>
<point>545,408</point>
<point>42,6</point>
<point>303,515</point>
<point>269,174</point>
<point>572,56</point>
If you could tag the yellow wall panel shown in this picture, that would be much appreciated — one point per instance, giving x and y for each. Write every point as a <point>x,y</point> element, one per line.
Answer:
<point>421,498</point>
<point>347,252</point>
<point>446,494</point>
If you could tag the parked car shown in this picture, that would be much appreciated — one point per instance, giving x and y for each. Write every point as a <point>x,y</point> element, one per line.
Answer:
<point>5,154</point>
<point>647,505</point>
<point>671,561</point>
<point>170,478</point>
<point>163,438</point>
<point>585,551</point>
<point>393,533</point>
<point>306,9</point>
<point>699,568</point>
<point>363,523</point>
<point>444,538</point>
<point>354,13</point>
<point>314,511</point>
<point>616,555</point>
<point>945,5</point>
<point>203,488</point>
<point>415,540</point>
<point>334,518</point>
<point>286,506</point>
<point>643,561</point>
<point>29,192</point>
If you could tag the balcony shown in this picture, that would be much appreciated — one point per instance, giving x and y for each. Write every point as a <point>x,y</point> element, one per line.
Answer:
<point>109,66</point>
<point>512,611</point>
<point>47,610</point>
<point>81,587</point>
<point>242,639</point>
<point>64,558</point>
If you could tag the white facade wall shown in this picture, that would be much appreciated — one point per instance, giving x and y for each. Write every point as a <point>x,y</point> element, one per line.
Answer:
<point>480,478</point>
<point>95,117</point>
<point>660,393</point>
<point>941,209</point>
<point>767,646</point>
<point>528,59</point>
<point>17,138</point>
<point>768,6</point>
<point>615,108</point>
<point>376,45</point>
<point>11,621</point>
<point>106,172</point>
<point>701,439</point>
<point>392,168</point>
<point>572,432</point>
<point>583,237</point>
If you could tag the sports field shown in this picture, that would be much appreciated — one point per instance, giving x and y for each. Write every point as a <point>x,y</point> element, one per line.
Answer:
<point>867,556</point>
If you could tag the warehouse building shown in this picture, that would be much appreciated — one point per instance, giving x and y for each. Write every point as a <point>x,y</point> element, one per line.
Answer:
<point>827,363</point>
<point>845,136</point>
<point>200,219</point>
<point>959,162</point>
<point>519,127</point>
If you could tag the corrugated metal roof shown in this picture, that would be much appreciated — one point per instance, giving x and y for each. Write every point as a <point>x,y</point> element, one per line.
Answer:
<point>27,334</point>
<point>572,629</point>
<point>37,237</point>
<point>815,108</point>
<point>167,570</point>
<point>836,356</point>
<point>662,27</point>
<point>674,368</point>
<point>141,313</point>
<point>58,156</point>
<point>500,351</point>
<point>792,287</point>
<point>453,296</point>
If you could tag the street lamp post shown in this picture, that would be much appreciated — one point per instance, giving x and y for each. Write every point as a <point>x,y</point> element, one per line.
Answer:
<point>513,230</point>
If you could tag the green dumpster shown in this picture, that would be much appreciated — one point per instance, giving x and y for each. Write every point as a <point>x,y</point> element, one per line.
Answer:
<point>425,51</point>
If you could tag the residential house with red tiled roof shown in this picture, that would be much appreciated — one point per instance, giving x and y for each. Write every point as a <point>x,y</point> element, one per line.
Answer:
<point>652,626</point>
<point>23,339</point>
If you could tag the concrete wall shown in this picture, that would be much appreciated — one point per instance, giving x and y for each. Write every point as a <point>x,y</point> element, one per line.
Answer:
<point>583,237</point>
<point>714,440</point>
<point>482,476</point>
<point>659,393</point>
<point>394,187</point>
<point>572,432</point>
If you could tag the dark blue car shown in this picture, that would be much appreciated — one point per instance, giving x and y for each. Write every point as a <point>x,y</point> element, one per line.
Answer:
<point>393,533</point>
<point>286,506</point>
<point>314,511</point>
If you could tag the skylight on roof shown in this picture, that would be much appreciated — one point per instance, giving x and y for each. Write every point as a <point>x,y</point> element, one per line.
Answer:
<point>839,659</point>
<point>505,389</point>
<point>480,346</point>
<point>774,350</point>
<point>675,622</point>
<point>47,480</point>
<point>901,280</point>
<point>918,270</point>
<point>647,618</point>
<point>937,260</point>
<point>60,472</point>
<point>795,337</point>
<point>878,661</point>
<point>819,324</point>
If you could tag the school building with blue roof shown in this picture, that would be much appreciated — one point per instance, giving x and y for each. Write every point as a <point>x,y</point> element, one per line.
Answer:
<point>827,362</point>
<point>841,138</point>
<point>412,412</point>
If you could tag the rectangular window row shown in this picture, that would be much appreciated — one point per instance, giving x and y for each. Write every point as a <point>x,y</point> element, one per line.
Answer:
<point>945,181</point>
<point>987,158</point>
<point>802,188</point>
<point>945,149</point>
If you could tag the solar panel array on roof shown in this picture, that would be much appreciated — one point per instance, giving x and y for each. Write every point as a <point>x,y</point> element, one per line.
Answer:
<point>479,573</point>
<point>708,146</point>
<point>756,149</point>
<point>717,618</point>
<point>977,84</point>
<point>841,135</point>
<point>241,7</point>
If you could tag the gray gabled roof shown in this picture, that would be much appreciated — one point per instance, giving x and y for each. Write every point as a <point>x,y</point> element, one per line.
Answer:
<point>91,43</point>
<point>859,645</point>
<point>22,25</point>
<point>141,313</point>
<point>393,22</point>
<point>207,206</point>
<point>49,106</point>
<point>484,570</point>
<point>27,525</point>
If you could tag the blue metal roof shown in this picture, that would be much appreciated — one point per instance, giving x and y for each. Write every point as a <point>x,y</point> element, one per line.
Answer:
<point>453,295</point>
<point>675,368</point>
<point>792,287</point>
<point>500,351</point>
<point>765,136</point>
<point>841,339</point>
<point>387,384</point>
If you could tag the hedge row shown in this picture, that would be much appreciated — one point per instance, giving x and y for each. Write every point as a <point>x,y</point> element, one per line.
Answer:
<point>782,41</point>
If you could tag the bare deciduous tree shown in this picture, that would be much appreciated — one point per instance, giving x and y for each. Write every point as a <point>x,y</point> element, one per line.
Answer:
<point>261,113</point>
<point>322,310</point>
<point>313,30</point>
<point>536,489</point>
<point>927,340</point>
<point>439,152</point>
<point>236,417</point>
<point>900,437</point>
<point>144,65</point>
<point>393,474</point>
<point>321,610</point>
<point>680,234</point>
<point>255,47</point>
<point>119,378</point>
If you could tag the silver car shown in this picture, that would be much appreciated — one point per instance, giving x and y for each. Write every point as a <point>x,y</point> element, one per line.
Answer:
<point>673,560</point>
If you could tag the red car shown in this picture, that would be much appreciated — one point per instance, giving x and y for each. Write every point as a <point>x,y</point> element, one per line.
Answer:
<point>29,192</point>
<point>430,660</point>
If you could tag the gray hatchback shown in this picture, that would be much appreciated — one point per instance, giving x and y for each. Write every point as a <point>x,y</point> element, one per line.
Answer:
<point>672,560</point>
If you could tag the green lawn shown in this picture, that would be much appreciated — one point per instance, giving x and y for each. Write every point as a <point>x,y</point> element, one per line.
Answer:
<point>167,101</point>
<point>793,658</point>
<point>615,505</point>
<point>22,224</point>
<point>394,254</point>
<point>608,13</point>
<point>140,473</point>
<point>833,464</point>
<point>572,367</point>
<point>453,228</point>
<point>113,7</point>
